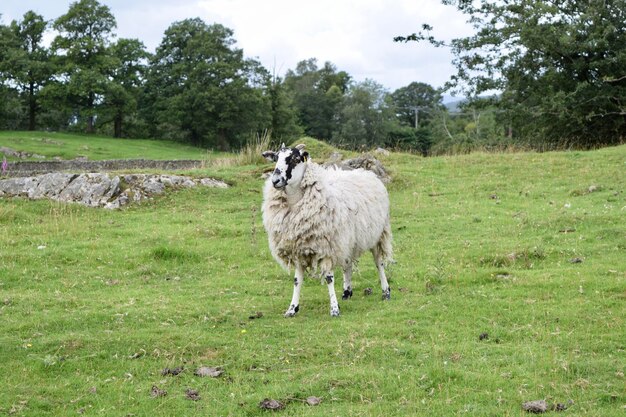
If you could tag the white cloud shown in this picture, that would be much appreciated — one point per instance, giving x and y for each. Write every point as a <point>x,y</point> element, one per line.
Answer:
<point>356,36</point>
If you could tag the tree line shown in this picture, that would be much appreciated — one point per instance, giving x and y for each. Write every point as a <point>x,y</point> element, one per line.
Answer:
<point>559,67</point>
<point>199,88</point>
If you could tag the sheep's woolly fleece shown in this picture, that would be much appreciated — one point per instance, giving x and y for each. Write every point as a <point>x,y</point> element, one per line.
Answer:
<point>341,214</point>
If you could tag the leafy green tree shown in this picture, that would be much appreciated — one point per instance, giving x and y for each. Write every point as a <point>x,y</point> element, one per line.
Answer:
<point>317,95</point>
<point>559,66</point>
<point>202,90</point>
<point>127,77</point>
<point>10,100</point>
<point>473,127</point>
<point>418,99</point>
<point>85,33</point>
<point>284,117</point>
<point>25,62</point>
<point>366,117</point>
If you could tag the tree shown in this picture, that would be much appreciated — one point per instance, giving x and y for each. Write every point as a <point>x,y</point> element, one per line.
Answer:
<point>202,90</point>
<point>416,99</point>
<point>366,117</point>
<point>284,117</point>
<point>82,50</point>
<point>25,63</point>
<point>559,66</point>
<point>317,95</point>
<point>127,77</point>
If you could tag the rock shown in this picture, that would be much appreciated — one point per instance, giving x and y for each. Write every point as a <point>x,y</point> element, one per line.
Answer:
<point>210,182</point>
<point>382,151</point>
<point>93,190</point>
<point>134,178</point>
<point>113,205</point>
<point>271,404</point>
<point>334,158</point>
<point>19,187</point>
<point>172,179</point>
<point>50,185</point>
<point>371,164</point>
<point>152,185</point>
<point>365,161</point>
<point>208,371</point>
<point>536,407</point>
<point>313,401</point>
<point>98,190</point>
<point>12,152</point>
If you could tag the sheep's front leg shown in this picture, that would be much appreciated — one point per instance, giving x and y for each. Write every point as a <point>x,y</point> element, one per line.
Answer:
<point>347,282</point>
<point>334,305</point>
<point>295,299</point>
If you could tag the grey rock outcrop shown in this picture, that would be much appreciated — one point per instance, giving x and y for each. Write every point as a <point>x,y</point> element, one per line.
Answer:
<point>364,161</point>
<point>98,189</point>
<point>19,154</point>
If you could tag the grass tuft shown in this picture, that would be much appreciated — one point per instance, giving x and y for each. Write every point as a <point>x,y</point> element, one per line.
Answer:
<point>524,258</point>
<point>164,253</point>
<point>251,153</point>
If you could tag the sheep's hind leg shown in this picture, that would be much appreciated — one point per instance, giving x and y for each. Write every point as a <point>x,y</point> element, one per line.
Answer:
<point>295,299</point>
<point>347,282</point>
<point>334,305</point>
<point>381,274</point>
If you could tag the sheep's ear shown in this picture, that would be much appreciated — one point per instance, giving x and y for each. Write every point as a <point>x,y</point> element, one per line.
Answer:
<point>283,146</point>
<point>270,156</point>
<point>300,146</point>
<point>305,156</point>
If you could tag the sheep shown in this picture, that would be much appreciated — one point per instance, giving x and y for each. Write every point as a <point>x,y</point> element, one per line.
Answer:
<point>321,218</point>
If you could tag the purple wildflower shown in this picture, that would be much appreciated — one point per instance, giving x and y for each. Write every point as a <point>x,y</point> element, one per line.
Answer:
<point>5,165</point>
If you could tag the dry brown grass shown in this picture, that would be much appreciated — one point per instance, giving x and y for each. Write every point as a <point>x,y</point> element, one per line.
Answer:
<point>251,153</point>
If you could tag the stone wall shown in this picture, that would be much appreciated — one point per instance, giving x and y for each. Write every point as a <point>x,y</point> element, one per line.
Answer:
<point>28,168</point>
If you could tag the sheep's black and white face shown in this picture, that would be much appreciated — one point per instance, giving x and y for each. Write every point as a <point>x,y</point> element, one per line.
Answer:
<point>289,165</point>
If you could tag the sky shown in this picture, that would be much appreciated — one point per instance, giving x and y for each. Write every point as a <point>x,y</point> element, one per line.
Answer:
<point>355,35</point>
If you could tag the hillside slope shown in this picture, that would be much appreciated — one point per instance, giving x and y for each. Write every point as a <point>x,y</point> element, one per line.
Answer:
<point>509,286</point>
<point>69,146</point>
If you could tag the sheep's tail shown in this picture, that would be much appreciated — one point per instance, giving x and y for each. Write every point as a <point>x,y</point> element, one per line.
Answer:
<point>384,247</point>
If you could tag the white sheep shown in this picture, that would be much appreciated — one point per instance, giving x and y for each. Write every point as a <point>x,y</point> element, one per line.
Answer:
<point>320,218</point>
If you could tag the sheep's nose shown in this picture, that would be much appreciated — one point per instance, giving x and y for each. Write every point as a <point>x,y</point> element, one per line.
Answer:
<point>275,181</point>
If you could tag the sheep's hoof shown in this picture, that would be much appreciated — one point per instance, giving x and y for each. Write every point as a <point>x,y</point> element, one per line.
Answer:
<point>334,311</point>
<point>387,294</point>
<point>292,310</point>
<point>346,294</point>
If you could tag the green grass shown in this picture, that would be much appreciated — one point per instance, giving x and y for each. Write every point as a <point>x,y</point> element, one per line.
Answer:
<point>70,146</point>
<point>94,304</point>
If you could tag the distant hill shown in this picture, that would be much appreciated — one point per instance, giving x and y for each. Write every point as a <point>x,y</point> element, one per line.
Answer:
<point>454,106</point>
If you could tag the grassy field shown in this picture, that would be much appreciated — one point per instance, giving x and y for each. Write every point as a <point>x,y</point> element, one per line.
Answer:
<point>509,286</point>
<point>70,146</point>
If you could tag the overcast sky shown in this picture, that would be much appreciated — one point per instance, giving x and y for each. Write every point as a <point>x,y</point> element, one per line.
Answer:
<point>355,35</point>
